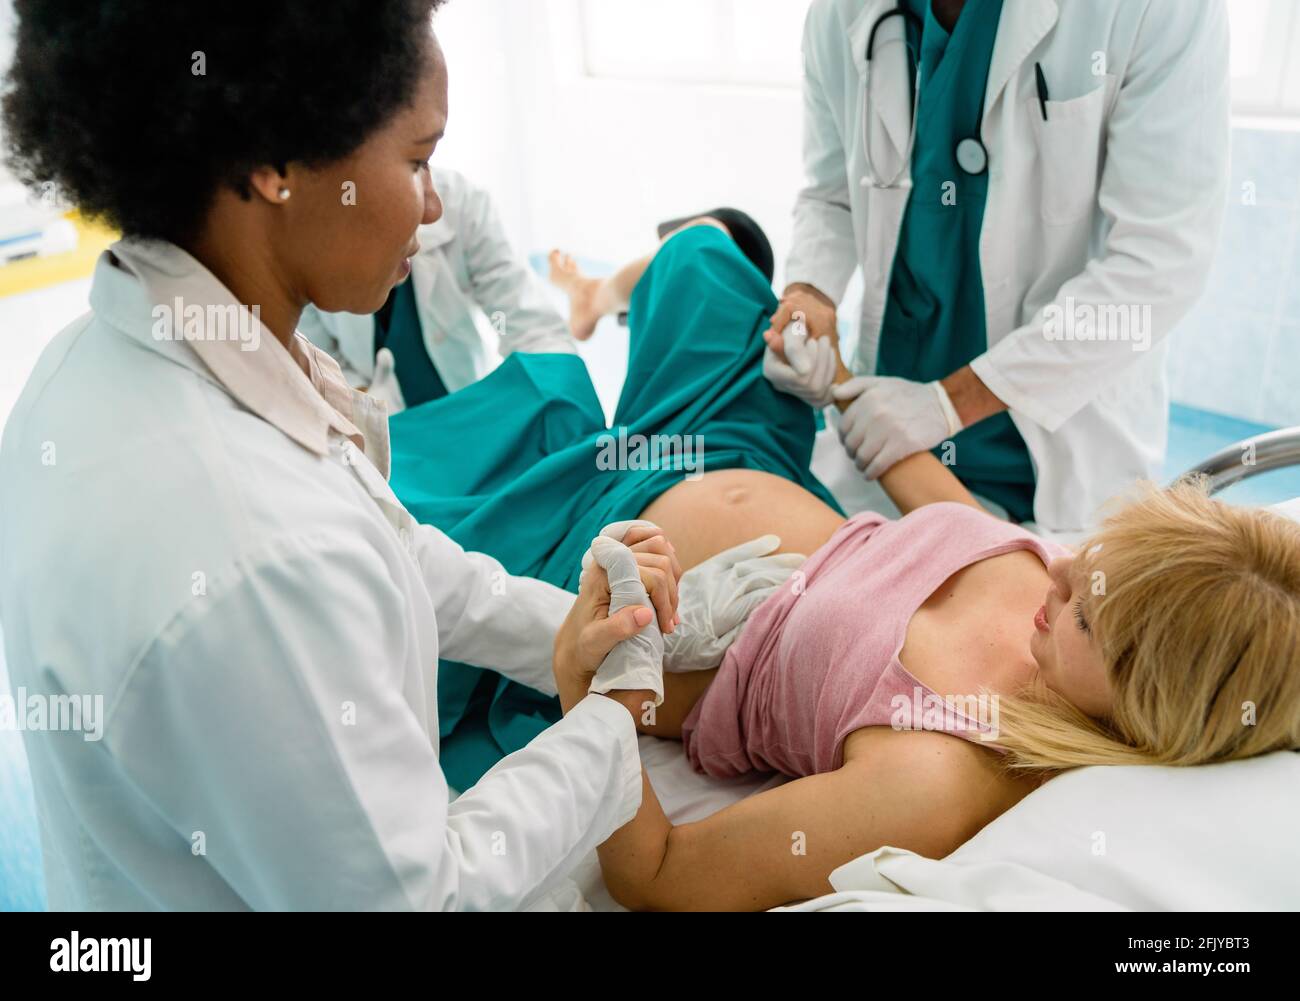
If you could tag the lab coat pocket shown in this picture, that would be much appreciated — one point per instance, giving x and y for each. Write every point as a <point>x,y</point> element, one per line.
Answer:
<point>1070,151</point>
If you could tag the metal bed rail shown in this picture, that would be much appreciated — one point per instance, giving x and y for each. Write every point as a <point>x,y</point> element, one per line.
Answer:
<point>1249,457</point>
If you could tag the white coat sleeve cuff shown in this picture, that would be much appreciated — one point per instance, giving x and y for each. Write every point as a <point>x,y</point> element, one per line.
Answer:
<point>614,716</point>
<point>832,285</point>
<point>1024,404</point>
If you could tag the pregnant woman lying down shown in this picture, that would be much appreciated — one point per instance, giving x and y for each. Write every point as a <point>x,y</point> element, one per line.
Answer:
<point>1171,638</point>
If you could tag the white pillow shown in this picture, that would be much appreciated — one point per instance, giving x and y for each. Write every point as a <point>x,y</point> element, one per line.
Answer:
<point>1289,508</point>
<point>1213,837</point>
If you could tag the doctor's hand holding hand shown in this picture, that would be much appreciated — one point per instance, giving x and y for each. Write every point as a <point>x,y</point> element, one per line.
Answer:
<point>803,350</point>
<point>886,419</point>
<point>627,592</point>
<point>717,597</point>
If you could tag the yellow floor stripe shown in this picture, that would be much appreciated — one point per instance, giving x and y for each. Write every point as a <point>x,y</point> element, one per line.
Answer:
<point>42,272</point>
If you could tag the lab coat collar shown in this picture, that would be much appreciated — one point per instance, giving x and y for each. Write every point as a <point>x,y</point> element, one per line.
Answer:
<point>891,77</point>
<point>1023,24</point>
<point>435,235</point>
<point>139,286</point>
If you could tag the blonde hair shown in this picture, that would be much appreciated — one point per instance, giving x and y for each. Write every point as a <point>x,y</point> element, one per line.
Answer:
<point>1199,628</point>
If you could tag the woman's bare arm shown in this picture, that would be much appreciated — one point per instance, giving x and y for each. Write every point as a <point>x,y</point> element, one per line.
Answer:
<point>919,479</point>
<point>922,479</point>
<point>927,792</point>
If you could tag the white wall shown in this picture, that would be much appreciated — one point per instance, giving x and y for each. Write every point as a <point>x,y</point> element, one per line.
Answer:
<point>592,165</point>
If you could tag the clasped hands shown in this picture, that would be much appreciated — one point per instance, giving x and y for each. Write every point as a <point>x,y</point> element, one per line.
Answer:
<point>637,614</point>
<point>884,419</point>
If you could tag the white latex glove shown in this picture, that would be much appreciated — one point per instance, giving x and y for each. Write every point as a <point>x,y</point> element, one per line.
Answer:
<point>636,663</point>
<point>616,531</point>
<point>890,419</point>
<point>384,386</point>
<point>716,598</point>
<point>809,369</point>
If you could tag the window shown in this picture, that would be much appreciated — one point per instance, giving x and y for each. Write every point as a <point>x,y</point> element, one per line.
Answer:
<point>1265,56</point>
<point>745,42</point>
<point>757,43</point>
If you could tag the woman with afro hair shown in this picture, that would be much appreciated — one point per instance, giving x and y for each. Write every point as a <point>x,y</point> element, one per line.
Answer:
<point>197,535</point>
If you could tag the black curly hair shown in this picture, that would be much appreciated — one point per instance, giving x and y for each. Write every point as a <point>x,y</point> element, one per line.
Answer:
<point>104,102</point>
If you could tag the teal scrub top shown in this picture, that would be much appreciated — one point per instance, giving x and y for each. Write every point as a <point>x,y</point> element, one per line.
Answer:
<point>397,327</point>
<point>934,317</point>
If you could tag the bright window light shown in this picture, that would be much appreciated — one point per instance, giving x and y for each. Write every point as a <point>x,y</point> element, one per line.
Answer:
<point>1265,46</point>
<point>757,43</point>
<point>1249,22</point>
<point>746,42</point>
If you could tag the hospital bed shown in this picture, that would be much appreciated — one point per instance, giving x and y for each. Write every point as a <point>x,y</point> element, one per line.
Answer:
<point>1265,453</point>
<point>1214,837</point>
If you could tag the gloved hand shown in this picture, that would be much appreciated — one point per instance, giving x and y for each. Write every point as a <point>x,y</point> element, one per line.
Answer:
<point>890,419</point>
<point>384,386</point>
<point>618,532</point>
<point>635,663</point>
<point>648,539</point>
<point>808,370</point>
<point>717,598</point>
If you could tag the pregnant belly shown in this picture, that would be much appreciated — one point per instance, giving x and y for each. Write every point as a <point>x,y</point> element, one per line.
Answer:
<point>726,507</point>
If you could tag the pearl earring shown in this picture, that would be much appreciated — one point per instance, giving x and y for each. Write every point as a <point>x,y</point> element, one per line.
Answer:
<point>284,194</point>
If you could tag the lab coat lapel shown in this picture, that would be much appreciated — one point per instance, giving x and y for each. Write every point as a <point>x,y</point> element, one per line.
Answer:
<point>424,281</point>
<point>437,234</point>
<point>1023,24</point>
<point>356,339</point>
<point>445,302</point>
<point>889,100</point>
<point>429,279</point>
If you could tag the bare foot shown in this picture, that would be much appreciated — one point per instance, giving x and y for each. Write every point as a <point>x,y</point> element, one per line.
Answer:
<point>583,311</point>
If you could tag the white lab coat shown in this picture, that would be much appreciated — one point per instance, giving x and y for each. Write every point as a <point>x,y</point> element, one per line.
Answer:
<point>263,621</point>
<point>466,278</point>
<point>1117,199</point>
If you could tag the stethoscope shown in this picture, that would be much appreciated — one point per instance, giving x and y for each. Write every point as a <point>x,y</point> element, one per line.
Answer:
<point>970,153</point>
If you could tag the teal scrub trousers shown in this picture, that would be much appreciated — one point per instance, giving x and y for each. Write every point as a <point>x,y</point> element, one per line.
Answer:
<point>508,466</point>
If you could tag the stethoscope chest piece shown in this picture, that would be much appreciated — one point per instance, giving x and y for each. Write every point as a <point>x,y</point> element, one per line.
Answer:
<point>972,157</point>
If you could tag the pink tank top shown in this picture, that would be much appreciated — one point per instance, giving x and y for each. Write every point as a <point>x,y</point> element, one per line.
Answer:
<point>819,658</point>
